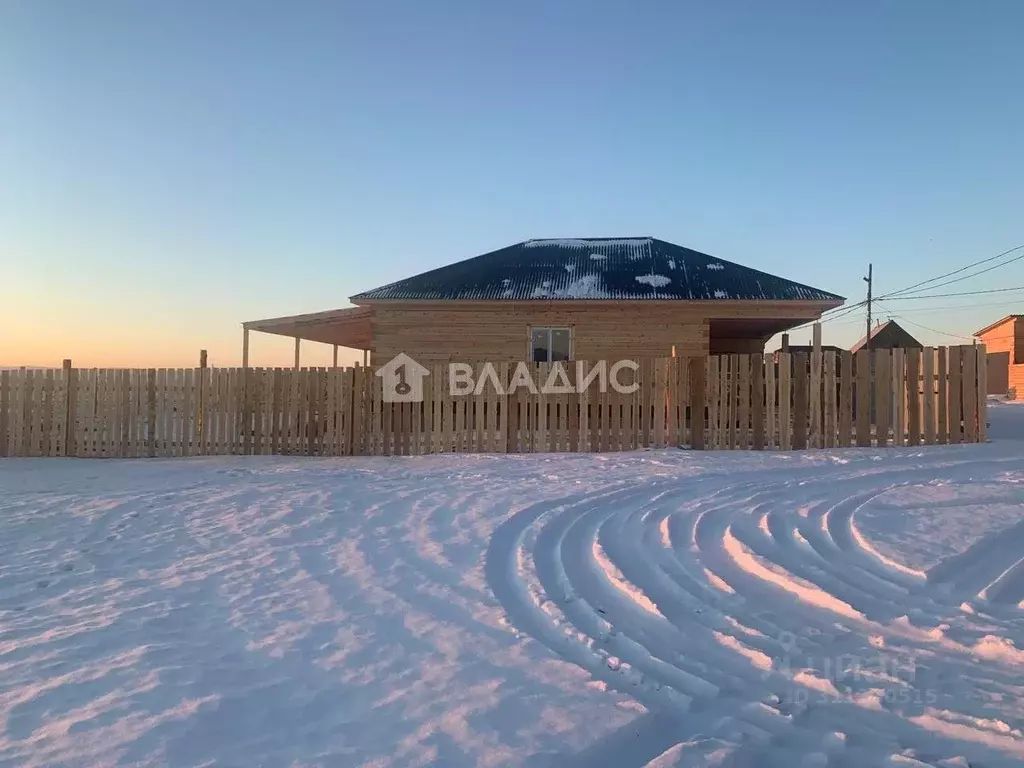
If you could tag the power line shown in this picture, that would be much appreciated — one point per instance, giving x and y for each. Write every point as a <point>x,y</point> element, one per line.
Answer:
<point>933,330</point>
<point>949,307</point>
<point>902,291</point>
<point>927,328</point>
<point>900,294</point>
<point>948,295</point>
<point>846,311</point>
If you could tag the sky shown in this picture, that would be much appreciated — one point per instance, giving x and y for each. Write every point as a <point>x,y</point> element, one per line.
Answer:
<point>170,170</point>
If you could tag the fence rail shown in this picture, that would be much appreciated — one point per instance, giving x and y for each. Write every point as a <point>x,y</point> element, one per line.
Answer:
<point>732,402</point>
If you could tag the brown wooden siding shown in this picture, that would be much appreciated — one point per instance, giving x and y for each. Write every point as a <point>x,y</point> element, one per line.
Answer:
<point>494,331</point>
<point>485,334</point>
<point>1016,379</point>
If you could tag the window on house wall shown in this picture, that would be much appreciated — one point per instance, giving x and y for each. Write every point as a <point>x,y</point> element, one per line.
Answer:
<point>548,345</point>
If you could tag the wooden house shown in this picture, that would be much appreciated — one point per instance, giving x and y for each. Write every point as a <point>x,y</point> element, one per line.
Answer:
<point>888,335</point>
<point>1004,347</point>
<point>547,300</point>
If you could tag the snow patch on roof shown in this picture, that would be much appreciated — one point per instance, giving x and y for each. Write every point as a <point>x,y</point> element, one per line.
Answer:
<point>570,267</point>
<point>598,256</point>
<point>671,263</point>
<point>596,243</point>
<point>655,281</point>
<point>585,287</point>
<point>720,294</point>
<point>715,265</point>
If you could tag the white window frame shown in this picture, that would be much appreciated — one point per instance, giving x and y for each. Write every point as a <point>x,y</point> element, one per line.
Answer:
<point>549,328</point>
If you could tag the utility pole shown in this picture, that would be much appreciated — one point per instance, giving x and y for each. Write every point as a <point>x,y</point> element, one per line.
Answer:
<point>867,339</point>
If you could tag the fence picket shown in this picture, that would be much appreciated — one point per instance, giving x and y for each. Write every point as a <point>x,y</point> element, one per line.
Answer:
<point>785,400</point>
<point>942,395</point>
<point>899,397</point>
<point>815,401</point>
<point>743,408</point>
<point>954,394</point>
<point>865,401</point>
<point>969,388</point>
<point>882,378</point>
<point>771,399</point>
<point>981,393</point>
<point>928,394</point>
<point>801,401</point>
<point>830,422</point>
<point>913,390</point>
<point>846,401</point>
<point>757,395</point>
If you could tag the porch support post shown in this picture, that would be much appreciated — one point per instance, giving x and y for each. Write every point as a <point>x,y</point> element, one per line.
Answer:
<point>298,341</point>
<point>335,364</point>
<point>365,357</point>
<point>245,347</point>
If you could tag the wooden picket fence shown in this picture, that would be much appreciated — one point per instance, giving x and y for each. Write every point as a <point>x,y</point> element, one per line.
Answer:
<point>734,402</point>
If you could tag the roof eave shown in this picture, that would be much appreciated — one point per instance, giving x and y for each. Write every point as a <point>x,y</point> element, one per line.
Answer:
<point>823,303</point>
<point>996,324</point>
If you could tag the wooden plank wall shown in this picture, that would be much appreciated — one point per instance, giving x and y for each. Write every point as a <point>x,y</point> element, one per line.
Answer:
<point>724,402</point>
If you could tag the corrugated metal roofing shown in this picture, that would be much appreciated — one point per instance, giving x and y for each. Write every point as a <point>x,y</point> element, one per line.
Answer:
<point>596,268</point>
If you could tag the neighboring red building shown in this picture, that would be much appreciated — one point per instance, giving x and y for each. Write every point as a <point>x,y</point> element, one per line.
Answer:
<point>1004,345</point>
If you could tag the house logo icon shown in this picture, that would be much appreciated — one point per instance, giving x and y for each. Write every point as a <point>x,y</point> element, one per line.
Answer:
<point>402,379</point>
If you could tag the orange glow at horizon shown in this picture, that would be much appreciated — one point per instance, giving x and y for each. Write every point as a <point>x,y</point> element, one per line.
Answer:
<point>43,347</point>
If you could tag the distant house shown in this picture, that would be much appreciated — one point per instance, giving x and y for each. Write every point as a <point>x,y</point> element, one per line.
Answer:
<point>547,300</point>
<point>807,349</point>
<point>888,335</point>
<point>1004,347</point>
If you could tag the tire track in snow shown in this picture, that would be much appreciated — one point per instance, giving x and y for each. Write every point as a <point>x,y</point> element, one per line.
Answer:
<point>715,609</point>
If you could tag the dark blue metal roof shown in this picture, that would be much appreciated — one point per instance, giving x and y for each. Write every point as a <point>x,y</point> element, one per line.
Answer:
<point>596,268</point>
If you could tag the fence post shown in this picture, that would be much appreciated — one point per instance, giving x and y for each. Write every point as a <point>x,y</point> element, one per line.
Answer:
<point>982,374</point>
<point>70,401</point>
<point>201,404</point>
<point>816,399</point>
<point>151,412</point>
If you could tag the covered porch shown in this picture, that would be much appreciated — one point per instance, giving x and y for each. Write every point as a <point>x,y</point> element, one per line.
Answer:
<point>747,335</point>
<point>351,327</point>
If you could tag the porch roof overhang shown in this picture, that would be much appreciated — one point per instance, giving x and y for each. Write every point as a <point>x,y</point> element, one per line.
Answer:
<point>351,327</point>
<point>753,328</point>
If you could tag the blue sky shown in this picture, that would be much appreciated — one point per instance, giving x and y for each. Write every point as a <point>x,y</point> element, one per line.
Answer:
<point>168,170</point>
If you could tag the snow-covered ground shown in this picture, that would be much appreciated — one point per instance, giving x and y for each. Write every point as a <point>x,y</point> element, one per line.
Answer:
<point>856,608</point>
